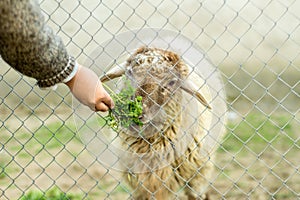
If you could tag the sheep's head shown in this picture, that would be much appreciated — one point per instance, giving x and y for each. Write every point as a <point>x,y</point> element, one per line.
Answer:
<point>159,77</point>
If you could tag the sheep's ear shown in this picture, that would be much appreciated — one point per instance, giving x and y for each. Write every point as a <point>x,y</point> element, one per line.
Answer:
<point>114,72</point>
<point>190,88</point>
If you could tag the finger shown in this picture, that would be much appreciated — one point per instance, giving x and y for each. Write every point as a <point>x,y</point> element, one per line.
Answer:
<point>101,107</point>
<point>108,101</point>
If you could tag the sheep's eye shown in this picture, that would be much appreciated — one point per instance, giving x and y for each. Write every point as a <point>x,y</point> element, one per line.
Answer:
<point>172,83</point>
<point>129,72</point>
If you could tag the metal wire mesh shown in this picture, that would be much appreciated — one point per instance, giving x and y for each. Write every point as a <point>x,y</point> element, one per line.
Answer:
<point>254,44</point>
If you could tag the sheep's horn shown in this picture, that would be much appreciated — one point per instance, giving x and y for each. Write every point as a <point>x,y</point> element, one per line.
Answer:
<point>190,88</point>
<point>114,72</point>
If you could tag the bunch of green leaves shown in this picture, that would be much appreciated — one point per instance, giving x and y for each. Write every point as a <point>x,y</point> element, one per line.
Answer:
<point>127,111</point>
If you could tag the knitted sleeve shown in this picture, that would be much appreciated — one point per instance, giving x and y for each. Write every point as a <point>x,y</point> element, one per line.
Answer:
<point>30,46</point>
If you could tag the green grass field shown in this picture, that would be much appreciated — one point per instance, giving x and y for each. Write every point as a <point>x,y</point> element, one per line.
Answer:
<point>257,131</point>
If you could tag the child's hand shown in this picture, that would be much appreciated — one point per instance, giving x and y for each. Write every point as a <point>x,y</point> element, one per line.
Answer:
<point>88,89</point>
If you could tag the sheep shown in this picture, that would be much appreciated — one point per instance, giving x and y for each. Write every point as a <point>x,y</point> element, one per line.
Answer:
<point>164,157</point>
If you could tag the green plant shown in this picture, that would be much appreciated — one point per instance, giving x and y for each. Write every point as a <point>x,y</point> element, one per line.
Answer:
<point>52,194</point>
<point>127,110</point>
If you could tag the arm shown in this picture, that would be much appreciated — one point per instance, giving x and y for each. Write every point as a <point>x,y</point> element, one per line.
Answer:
<point>28,45</point>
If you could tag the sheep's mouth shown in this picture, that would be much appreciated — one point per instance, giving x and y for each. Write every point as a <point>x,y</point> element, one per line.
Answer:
<point>139,128</point>
<point>149,128</point>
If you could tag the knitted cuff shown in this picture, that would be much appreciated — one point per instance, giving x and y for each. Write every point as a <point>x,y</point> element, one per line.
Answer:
<point>60,77</point>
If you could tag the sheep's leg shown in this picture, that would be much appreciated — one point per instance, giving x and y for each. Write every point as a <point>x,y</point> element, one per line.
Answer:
<point>158,185</point>
<point>198,184</point>
<point>160,194</point>
<point>193,195</point>
<point>202,197</point>
<point>196,173</point>
<point>141,197</point>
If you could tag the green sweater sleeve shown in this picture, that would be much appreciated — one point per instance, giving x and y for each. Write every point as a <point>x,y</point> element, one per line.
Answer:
<point>28,45</point>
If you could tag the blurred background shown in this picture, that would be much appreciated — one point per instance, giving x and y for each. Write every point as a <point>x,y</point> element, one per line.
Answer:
<point>254,44</point>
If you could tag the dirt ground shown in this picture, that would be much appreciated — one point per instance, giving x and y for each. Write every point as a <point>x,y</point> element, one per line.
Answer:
<point>272,172</point>
<point>248,177</point>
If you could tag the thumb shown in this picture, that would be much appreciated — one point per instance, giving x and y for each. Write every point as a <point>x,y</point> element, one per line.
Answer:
<point>104,103</point>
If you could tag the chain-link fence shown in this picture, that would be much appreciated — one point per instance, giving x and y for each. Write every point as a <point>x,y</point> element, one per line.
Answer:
<point>255,46</point>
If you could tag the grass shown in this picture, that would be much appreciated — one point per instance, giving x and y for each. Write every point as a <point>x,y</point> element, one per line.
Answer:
<point>256,131</point>
<point>259,150</point>
<point>113,187</point>
<point>52,136</point>
<point>55,135</point>
<point>52,194</point>
<point>21,147</point>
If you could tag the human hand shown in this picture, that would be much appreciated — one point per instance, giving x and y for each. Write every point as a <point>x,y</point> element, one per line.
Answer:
<point>88,89</point>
